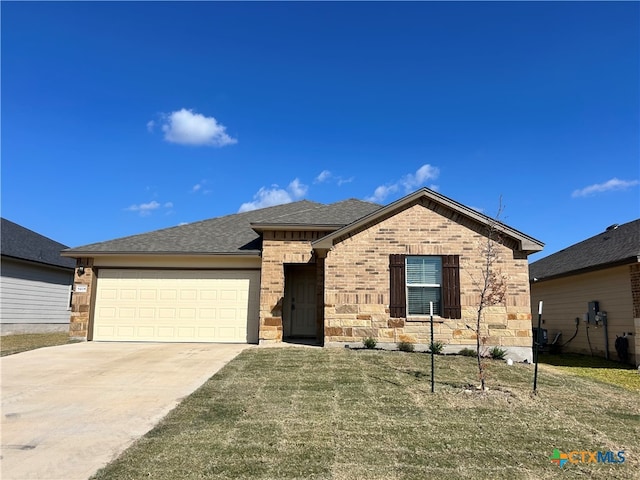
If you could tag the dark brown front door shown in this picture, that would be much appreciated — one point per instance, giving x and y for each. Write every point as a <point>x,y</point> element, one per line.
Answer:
<point>300,301</point>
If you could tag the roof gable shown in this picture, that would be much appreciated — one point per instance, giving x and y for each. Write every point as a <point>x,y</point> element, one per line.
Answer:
<point>24,244</point>
<point>524,242</point>
<point>617,245</point>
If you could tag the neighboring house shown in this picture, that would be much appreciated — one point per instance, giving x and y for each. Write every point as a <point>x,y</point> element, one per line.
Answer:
<point>600,274</point>
<point>336,274</point>
<point>35,282</point>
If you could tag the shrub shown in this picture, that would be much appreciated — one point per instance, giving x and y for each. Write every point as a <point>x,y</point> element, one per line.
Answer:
<point>405,346</point>
<point>436,347</point>
<point>370,342</point>
<point>497,353</point>
<point>467,352</point>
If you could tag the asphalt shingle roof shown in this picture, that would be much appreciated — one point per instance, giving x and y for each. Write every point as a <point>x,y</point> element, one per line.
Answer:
<point>335,214</point>
<point>617,245</point>
<point>231,234</point>
<point>24,244</point>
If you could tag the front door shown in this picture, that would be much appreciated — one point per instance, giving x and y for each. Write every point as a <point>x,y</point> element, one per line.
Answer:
<point>300,301</point>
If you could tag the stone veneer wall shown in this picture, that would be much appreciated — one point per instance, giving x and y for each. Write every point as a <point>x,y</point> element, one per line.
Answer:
<point>278,249</point>
<point>357,283</point>
<point>81,310</point>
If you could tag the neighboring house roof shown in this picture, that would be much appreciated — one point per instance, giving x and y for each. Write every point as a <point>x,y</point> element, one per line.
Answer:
<point>24,244</point>
<point>618,245</point>
<point>526,243</point>
<point>231,234</point>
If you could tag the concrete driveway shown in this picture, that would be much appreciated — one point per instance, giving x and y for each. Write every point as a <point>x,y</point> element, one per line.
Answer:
<point>69,410</point>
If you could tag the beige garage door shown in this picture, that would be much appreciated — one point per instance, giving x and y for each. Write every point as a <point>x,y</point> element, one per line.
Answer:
<point>177,305</point>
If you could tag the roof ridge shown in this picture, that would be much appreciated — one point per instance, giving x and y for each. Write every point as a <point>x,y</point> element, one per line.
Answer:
<point>314,206</point>
<point>194,223</point>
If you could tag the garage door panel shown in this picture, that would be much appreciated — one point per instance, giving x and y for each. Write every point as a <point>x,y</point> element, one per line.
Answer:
<point>175,305</point>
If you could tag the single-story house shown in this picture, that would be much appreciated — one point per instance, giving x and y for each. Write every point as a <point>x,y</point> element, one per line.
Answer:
<point>35,282</point>
<point>591,293</point>
<point>336,274</point>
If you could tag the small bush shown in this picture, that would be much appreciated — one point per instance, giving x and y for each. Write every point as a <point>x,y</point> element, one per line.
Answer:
<point>497,353</point>
<point>370,342</point>
<point>467,352</point>
<point>436,347</point>
<point>405,346</point>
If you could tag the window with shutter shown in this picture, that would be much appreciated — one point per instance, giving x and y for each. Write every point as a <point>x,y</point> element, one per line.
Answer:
<point>418,281</point>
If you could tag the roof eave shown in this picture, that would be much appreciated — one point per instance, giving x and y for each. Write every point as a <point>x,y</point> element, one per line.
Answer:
<point>592,268</point>
<point>262,227</point>
<point>36,262</point>
<point>80,253</point>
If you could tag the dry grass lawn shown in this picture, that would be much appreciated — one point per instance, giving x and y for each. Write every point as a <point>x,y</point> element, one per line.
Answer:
<point>294,413</point>
<point>10,344</point>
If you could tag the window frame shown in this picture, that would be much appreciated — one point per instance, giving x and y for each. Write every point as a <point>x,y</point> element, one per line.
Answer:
<point>438,286</point>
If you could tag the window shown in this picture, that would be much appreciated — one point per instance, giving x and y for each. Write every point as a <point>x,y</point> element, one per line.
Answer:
<point>414,281</point>
<point>424,279</point>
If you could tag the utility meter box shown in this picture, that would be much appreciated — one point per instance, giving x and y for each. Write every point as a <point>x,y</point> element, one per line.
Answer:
<point>592,312</point>
<point>540,337</point>
<point>601,318</point>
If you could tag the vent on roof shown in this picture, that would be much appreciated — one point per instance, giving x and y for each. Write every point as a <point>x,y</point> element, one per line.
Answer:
<point>612,227</point>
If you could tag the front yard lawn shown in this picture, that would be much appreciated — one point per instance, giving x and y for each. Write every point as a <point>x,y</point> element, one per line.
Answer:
<point>10,344</point>
<point>284,413</point>
<point>597,368</point>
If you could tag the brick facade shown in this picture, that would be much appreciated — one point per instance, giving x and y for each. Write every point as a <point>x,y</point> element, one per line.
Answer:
<point>353,281</point>
<point>280,248</point>
<point>81,307</point>
<point>357,283</point>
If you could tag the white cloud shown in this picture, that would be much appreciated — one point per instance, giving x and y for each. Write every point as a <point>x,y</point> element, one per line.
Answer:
<point>328,176</point>
<point>297,189</point>
<point>268,197</point>
<point>186,127</point>
<point>423,174</point>
<point>342,181</point>
<point>613,184</point>
<point>200,188</point>
<point>382,192</point>
<point>150,125</point>
<point>145,209</point>
<point>409,182</point>
<point>323,176</point>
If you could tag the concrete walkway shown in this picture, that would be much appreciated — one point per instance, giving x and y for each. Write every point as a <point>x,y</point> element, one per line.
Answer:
<point>69,410</point>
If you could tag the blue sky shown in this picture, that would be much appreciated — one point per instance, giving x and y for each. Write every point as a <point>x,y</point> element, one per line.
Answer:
<point>120,118</point>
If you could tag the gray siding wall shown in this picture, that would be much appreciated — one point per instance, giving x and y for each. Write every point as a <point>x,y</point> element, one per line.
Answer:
<point>567,298</point>
<point>33,294</point>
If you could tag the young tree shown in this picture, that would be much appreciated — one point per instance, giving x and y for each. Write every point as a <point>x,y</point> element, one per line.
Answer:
<point>491,284</point>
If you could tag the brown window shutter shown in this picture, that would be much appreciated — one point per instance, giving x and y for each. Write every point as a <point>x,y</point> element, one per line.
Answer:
<point>397,290</point>
<point>451,286</point>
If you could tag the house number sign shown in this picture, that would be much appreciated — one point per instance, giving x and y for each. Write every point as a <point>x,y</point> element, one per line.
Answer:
<point>81,288</point>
